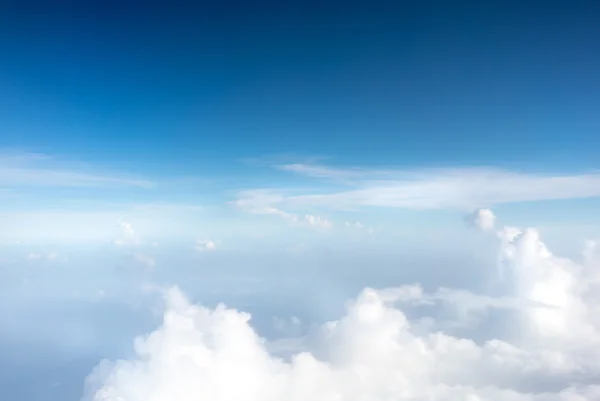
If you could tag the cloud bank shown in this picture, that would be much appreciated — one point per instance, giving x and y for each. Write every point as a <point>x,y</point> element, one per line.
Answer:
<point>549,350</point>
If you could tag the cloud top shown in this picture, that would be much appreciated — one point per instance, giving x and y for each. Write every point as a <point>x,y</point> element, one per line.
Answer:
<point>375,351</point>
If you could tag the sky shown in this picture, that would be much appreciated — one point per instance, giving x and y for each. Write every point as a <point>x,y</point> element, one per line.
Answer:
<point>299,200</point>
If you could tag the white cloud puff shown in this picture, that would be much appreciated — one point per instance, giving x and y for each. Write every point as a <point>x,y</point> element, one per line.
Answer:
<point>376,352</point>
<point>482,219</point>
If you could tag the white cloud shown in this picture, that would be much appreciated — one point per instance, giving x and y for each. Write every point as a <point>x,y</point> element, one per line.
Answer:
<point>128,235</point>
<point>205,245</point>
<point>460,188</point>
<point>320,171</point>
<point>482,219</point>
<point>258,203</point>
<point>376,351</point>
<point>35,170</point>
<point>318,222</point>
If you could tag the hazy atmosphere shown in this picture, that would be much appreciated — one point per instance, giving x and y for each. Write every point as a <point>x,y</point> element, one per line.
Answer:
<point>297,201</point>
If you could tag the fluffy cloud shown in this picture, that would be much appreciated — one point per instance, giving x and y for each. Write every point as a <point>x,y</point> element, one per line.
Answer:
<point>375,351</point>
<point>482,219</point>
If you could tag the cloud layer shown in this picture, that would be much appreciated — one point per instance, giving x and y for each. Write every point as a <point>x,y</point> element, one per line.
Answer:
<point>457,188</point>
<point>38,170</point>
<point>549,349</point>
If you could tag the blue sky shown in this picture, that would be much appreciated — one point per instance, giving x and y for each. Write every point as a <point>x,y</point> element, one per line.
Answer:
<point>165,89</point>
<point>283,159</point>
<point>206,102</point>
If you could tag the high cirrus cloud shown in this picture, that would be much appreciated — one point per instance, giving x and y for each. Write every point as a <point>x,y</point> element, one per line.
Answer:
<point>457,188</point>
<point>19,169</point>
<point>377,352</point>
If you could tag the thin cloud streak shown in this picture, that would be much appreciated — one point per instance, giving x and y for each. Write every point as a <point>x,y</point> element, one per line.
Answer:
<point>35,170</point>
<point>461,189</point>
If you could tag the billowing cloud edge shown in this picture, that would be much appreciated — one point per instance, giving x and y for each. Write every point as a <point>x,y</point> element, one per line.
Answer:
<point>551,350</point>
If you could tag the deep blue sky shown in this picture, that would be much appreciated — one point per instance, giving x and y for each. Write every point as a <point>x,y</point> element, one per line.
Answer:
<point>169,88</point>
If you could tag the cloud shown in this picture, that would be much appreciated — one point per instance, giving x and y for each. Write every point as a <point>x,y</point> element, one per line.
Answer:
<point>379,350</point>
<point>482,219</point>
<point>128,235</point>
<point>318,222</point>
<point>38,170</point>
<point>457,188</point>
<point>205,245</point>
<point>319,171</point>
<point>258,203</point>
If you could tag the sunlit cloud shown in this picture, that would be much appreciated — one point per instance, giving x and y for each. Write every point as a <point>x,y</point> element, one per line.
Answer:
<point>379,349</point>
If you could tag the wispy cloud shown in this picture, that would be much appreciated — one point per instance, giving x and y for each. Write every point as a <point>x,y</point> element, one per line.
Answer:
<point>257,202</point>
<point>457,188</point>
<point>38,170</point>
<point>320,171</point>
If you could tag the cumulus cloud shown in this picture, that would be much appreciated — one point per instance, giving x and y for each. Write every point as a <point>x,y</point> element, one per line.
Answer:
<point>377,351</point>
<point>482,219</point>
<point>205,245</point>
